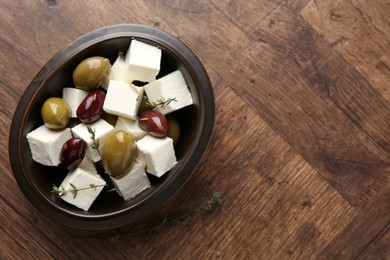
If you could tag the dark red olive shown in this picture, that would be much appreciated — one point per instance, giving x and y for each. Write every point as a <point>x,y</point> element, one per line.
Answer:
<point>91,108</point>
<point>72,153</point>
<point>153,122</point>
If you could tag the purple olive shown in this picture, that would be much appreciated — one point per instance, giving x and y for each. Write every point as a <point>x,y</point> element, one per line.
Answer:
<point>91,108</point>
<point>153,122</point>
<point>72,153</point>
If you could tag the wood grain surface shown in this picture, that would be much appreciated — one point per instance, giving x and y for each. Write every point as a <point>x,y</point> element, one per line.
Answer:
<point>301,148</point>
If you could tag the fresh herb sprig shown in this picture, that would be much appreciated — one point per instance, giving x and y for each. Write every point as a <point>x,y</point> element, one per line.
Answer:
<point>95,142</point>
<point>148,228</point>
<point>61,191</point>
<point>184,218</point>
<point>210,204</point>
<point>160,103</point>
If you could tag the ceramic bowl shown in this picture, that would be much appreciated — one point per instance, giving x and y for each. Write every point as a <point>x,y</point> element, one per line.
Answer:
<point>109,210</point>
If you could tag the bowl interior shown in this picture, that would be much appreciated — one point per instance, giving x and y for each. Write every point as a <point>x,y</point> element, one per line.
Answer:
<point>36,180</point>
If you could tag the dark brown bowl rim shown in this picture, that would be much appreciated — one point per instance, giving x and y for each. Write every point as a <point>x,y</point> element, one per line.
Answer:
<point>188,166</point>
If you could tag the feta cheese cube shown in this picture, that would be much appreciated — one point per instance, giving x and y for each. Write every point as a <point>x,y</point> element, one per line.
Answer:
<point>131,127</point>
<point>46,144</point>
<point>88,185</point>
<point>119,70</point>
<point>171,86</point>
<point>143,61</point>
<point>133,182</point>
<point>123,99</point>
<point>88,165</point>
<point>102,132</point>
<point>157,154</point>
<point>74,97</point>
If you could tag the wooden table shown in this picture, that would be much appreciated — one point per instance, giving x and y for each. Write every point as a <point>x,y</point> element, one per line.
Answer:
<point>301,148</point>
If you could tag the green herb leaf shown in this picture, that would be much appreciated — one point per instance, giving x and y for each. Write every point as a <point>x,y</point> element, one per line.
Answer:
<point>74,191</point>
<point>93,186</point>
<point>160,102</point>
<point>60,191</point>
<point>91,131</point>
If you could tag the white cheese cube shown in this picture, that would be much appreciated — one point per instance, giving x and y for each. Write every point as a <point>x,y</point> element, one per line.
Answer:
<point>74,97</point>
<point>119,70</point>
<point>143,61</point>
<point>171,86</point>
<point>131,127</point>
<point>88,186</point>
<point>46,144</point>
<point>88,165</point>
<point>123,99</point>
<point>102,131</point>
<point>157,154</point>
<point>133,182</point>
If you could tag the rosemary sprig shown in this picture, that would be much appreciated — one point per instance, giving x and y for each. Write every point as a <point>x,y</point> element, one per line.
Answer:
<point>95,142</point>
<point>160,102</point>
<point>61,191</point>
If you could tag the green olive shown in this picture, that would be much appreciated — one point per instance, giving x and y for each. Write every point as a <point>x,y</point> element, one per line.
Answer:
<point>92,73</point>
<point>118,153</point>
<point>173,129</point>
<point>55,113</point>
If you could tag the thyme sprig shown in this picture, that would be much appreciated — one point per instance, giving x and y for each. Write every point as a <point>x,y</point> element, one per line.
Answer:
<point>210,204</point>
<point>160,102</point>
<point>95,142</point>
<point>61,191</point>
<point>170,220</point>
<point>150,227</point>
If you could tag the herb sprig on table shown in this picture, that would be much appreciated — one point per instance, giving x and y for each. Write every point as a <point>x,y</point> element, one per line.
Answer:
<point>210,204</point>
<point>151,227</point>
<point>184,218</point>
